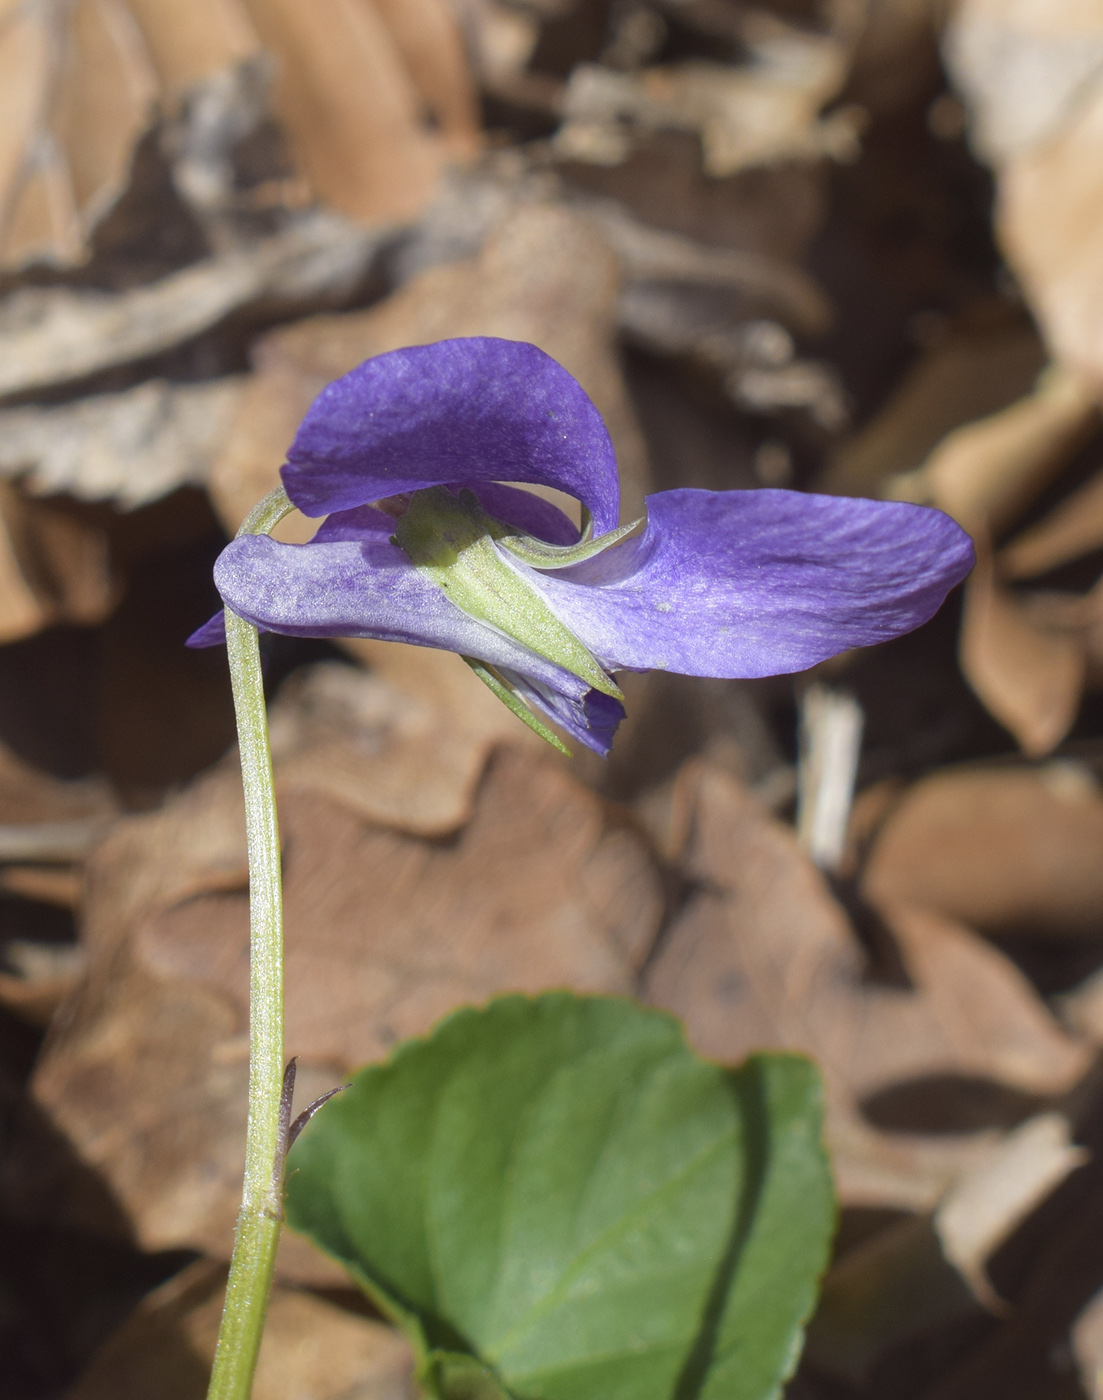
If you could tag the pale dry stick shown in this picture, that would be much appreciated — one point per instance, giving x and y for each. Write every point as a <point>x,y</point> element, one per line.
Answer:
<point>830,744</point>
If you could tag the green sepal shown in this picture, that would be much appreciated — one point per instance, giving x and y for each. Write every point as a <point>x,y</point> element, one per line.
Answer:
<point>512,701</point>
<point>538,554</point>
<point>449,539</point>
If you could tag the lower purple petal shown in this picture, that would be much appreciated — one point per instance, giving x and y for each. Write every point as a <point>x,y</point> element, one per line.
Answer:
<point>591,719</point>
<point>211,634</point>
<point>759,583</point>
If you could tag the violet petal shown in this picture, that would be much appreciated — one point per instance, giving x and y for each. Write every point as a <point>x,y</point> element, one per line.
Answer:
<point>524,511</point>
<point>211,634</point>
<point>592,719</point>
<point>759,583</point>
<point>518,509</point>
<point>459,411</point>
<point>364,588</point>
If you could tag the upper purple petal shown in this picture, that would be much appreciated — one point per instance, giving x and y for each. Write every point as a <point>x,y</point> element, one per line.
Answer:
<point>759,583</point>
<point>456,412</point>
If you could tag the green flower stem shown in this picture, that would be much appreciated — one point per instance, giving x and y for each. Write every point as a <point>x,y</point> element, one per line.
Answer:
<point>258,1225</point>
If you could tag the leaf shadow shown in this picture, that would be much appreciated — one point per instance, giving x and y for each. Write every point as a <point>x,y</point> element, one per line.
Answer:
<point>748,1088</point>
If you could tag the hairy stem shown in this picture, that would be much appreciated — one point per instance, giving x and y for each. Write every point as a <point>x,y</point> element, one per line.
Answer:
<point>258,1225</point>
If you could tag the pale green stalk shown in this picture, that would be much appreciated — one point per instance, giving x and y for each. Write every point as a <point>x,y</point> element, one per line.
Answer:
<point>258,1225</point>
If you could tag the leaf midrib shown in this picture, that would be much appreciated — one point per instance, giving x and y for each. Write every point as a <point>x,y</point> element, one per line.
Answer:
<point>509,1176</point>
<point>559,1292</point>
<point>510,1168</point>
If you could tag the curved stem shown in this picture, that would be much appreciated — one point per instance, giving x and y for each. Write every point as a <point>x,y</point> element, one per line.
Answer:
<point>258,1225</point>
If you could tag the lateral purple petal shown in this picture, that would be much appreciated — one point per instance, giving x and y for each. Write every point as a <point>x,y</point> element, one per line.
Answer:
<point>759,583</point>
<point>457,412</point>
<point>367,587</point>
<point>525,511</point>
<point>520,509</point>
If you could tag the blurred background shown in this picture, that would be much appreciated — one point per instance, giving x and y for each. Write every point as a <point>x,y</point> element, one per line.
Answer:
<point>848,246</point>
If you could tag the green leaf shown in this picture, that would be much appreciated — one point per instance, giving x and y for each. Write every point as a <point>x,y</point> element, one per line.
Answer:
<point>558,1200</point>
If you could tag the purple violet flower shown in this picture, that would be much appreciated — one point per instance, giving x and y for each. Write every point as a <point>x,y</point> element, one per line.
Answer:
<point>409,456</point>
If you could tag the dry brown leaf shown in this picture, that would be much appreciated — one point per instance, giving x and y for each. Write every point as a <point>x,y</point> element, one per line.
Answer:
<point>44,884</point>
<point>759,113</point>
<point>368,741</point>
<point>544,277</point>
<point>54,567</point>
<point>535,893</point>
<point>896,57</point>
<point>130,448</point>
<point>1071,529</point>
<point>976,370</point>
<point>1087,1345</point>
<point>385,933</point>
<point>373,96</point>
<point>1029,1356</point>
<point>890,1287</point>
<point>54,335</point>
<point>349,106</point>
<point>655,256</point>
<point>423,728</point>
<point>1024,65</point>
<point>762,955</point>
<point>988,1014</point>
<point>77,92</point>
<point>186,43</point>
<point>985,473</point>
<point>311,1347</point>
<point>42,975</point>
<point>1032,71</point>
<point>982,1209</point>
<point>28,795</point>
<point>1086,613</point>
<point>1082,1008</point>
<point>1006,850</point>
<point>929,1270</point>
<point>896,1170</point>
<point>500,40</point>
<point>43,819</point>
<point>1029,675</point>
<point>716,306</point>
<point>85,81</point>
<point>432,49</point>
<point>681,295</point>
